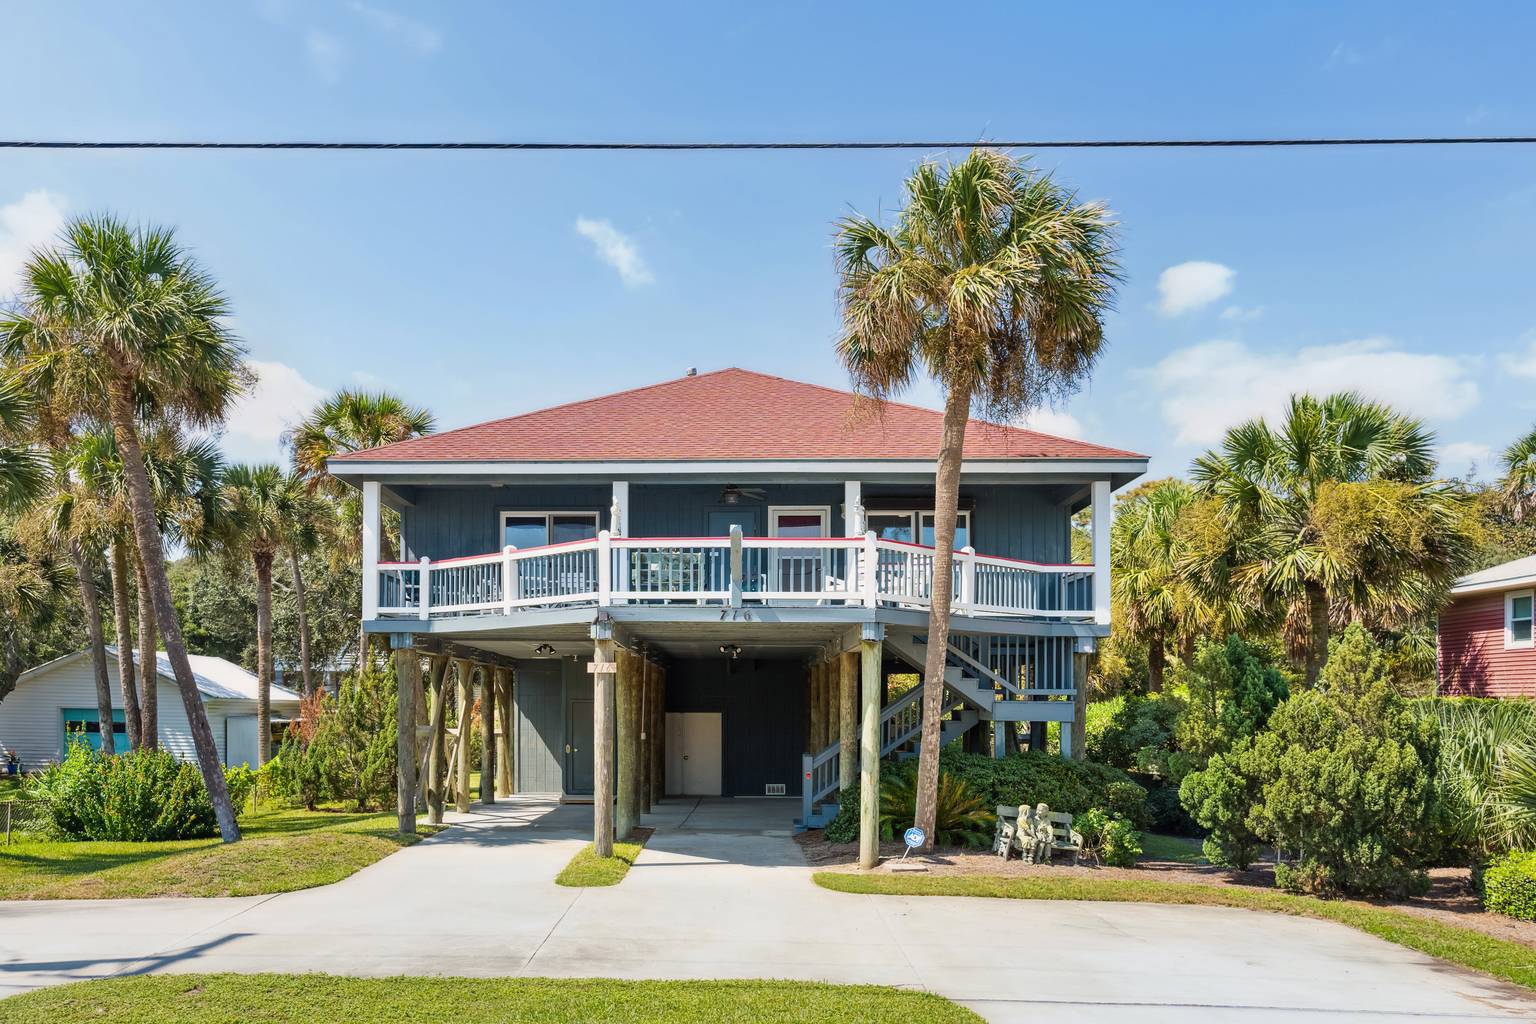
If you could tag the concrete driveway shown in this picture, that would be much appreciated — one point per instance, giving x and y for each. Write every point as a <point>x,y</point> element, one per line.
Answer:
<point>721,891</point>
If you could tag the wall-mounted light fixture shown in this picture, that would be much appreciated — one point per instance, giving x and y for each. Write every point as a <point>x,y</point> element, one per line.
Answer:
<point>730,651</point>
<point>544,651</point>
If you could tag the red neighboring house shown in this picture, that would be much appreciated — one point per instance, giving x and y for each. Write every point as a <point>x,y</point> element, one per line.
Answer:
<point>1485,636</point>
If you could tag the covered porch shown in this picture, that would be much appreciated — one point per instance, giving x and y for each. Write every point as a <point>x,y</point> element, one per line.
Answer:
<point>637,705</point>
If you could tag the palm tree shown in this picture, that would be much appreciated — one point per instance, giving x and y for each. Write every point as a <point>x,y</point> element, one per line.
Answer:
<point>302,536</point>
<point>184,476</point>
<point>1153,599</point>
<point>110,316</point>
<point>1519,482</point>
<point>1334,515</point>
<point>23,470</point>
<point>351,421</point>
<point>262,508</point>
<point>994,281</point>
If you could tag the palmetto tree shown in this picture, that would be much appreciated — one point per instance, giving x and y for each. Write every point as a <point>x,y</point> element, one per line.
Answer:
<point>262,509</point>
<point>1334,516</point>
<point>184,476</point>
<point>994,281</point>
<point>110,315</point>
<point>1153,599</point>
<point>1519,481</point>
<point>23,468</point>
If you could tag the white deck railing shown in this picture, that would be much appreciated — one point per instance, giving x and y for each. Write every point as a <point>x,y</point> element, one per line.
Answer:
<point>731,571</point>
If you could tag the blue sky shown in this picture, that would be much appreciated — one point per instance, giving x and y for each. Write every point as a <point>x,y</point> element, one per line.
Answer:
<point>487,284</point>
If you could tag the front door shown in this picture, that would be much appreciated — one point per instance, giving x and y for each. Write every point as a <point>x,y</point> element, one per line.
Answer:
<point>578,747</point>
<point>693,753</point>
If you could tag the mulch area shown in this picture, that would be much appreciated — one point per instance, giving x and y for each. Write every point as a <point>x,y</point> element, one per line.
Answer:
<point>1450,898</point>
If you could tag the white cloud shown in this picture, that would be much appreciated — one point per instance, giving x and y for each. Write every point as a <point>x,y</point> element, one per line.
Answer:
<point>279,400</point>
<point>326,53</point>
<point>1344,55</point>
<point>1242,314</point>
<point>1193,285</point>
<point>1460,458</point>
<point>32,221</point>
<point>1052,421</point>
<point>1209,387</point>
<point>617,250</point>
<point>414,35</point>
<point>1521,363</point>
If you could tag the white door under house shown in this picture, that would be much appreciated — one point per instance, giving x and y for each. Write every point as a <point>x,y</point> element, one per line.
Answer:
<point>693,753</point>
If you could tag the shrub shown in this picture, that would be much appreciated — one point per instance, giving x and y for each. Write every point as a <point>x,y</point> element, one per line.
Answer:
<point>961,818</point>
<point>142,796</point>
<point>845,827</point>
<point>1108,838</point>
<point>1509,886</point>
<point>1038,777</point>
<point>350,752</point>
<point>1342,779</point>
<point>1165,813</point>
<point>1232,687</point>
<point>1134,733</point>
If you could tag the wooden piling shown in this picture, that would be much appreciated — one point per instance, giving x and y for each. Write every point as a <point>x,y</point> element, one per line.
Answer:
<point>602,749</point>
<point>869,754</point>
<point>437,763</point>
<point>407,682</point>
<point>848,719</point>
<point>488,734</point>
<point>465,670</point>
<point>506,723</point>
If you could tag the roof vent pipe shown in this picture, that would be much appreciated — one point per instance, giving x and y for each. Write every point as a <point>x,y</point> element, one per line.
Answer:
<point>693,371</point>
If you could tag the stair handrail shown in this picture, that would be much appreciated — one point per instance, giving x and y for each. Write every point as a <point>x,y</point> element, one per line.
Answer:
<point>811,794</point>
<point>987,673</point>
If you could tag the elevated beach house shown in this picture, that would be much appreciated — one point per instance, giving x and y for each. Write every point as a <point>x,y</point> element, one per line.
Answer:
<point>747,562</point>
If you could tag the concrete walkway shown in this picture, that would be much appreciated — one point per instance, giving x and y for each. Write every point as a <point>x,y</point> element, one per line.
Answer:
<point>721,891</point>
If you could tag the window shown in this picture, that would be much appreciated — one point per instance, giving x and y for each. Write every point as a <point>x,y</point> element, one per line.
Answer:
<point>535,529</point>
<point>798,522</point>
<point>917,527</point>
<point>1519,612</point>
<point>85,724</point>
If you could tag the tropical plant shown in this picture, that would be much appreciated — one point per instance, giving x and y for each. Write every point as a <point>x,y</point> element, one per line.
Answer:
<point>994,281</point>
<point>1486,773</point>
<point>40,619</point>
<point>1136,733</point>
<point>1036,777</point>
<point>1153,600</point>
<point>113,319</point>
<point>1333,515</point>
<point>263,509</point>
<point>962,818</point>
<point>23,471</point>
<point>1519,481</point>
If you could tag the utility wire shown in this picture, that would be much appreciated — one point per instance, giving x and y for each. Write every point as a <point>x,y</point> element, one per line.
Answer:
<point>1448,140</point>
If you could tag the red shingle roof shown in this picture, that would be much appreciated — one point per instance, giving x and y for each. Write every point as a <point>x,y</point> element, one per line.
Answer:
<point>728,414</point>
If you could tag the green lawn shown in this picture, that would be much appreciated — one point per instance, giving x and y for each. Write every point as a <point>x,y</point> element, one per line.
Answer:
<point>282,850</point>
<point>1176,848</point>
<point>10,787</point>
<point>587,869</point>
<point>303,999</point>
<point>1508,960</point>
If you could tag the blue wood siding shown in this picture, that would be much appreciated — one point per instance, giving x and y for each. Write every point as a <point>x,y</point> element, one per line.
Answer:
<point>762,712</point>
<point>1014,520</point>
<point>540,738</point>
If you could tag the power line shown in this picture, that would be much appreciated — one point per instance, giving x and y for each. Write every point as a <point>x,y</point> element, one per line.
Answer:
<point>1446,140</point>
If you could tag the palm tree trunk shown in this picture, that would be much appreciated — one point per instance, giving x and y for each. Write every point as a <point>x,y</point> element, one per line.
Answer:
<point>149,663</point>
<point>122,622</point>
<point>263,562</point>
<point>146,533</point>
<point>299,601</point>
<point>1157,660</point>
<point>1317,631</point>
<point>90,600</point>
<point>946,498</point>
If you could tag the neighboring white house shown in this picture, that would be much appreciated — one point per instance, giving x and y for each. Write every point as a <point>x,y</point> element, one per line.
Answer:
<point>34,717</point>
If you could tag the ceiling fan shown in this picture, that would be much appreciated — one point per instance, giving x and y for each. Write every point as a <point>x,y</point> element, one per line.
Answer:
<point>732,494</point>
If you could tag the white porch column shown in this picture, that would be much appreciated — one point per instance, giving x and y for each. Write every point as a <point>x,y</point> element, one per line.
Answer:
<point>853,508</point>
<point>1103,513</point>
<point>373,533</point>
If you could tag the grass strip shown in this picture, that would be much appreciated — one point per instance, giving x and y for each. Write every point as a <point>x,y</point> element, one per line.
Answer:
<point>306,998</point>
<point>1463,946</point>
<point>280,851</point>
<point>587,869</point>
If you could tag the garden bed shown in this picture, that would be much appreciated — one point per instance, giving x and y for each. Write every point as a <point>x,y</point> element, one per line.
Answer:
<point>1450,899</point>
